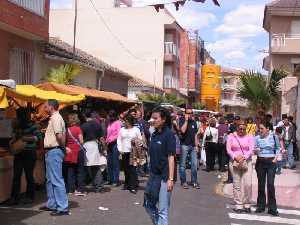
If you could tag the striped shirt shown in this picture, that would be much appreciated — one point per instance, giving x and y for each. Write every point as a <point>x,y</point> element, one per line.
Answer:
<point>30,130</point>
<point>269,146</point>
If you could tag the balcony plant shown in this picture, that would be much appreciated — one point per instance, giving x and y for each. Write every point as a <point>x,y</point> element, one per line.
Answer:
<point>259,90</point>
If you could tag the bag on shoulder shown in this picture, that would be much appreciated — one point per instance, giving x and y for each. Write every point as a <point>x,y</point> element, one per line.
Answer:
<point>240,166</point>
<point>209,137</point>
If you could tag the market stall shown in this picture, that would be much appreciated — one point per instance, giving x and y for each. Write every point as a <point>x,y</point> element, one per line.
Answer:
<point>10,99</point>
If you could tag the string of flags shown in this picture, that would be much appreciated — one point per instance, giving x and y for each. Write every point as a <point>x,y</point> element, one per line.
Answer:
<point>179,3</point>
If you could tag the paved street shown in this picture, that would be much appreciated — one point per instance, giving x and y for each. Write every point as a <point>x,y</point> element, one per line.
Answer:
<point>189,207</point>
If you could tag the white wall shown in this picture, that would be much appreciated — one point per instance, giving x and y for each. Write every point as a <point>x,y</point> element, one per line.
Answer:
<point>141,30</point>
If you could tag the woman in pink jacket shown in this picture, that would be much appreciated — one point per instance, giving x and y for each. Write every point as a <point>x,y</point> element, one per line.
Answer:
<point>240,148</point>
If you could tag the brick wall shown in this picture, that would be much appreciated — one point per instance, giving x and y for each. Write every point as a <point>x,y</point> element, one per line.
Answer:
<point>7,42</point>
<point>17,17</point>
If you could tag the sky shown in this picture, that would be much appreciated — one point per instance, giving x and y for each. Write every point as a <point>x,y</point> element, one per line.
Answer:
<point>232,33</point>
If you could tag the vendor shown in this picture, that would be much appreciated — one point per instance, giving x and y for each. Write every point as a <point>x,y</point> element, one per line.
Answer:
<point>27,131</point>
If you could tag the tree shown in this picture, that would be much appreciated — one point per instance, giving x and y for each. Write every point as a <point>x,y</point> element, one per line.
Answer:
<point>259,90</point>
<point>63,74</point>
<point>159,99</point>
<point>198,105</point>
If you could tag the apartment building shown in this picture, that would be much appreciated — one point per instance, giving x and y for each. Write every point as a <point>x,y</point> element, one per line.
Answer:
<point>191,60</point>
<point>231,103</point>
<point>23,23</point>
<point>282,22</point>
<point>141,41</point>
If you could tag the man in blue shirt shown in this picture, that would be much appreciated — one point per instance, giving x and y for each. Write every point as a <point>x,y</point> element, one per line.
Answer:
<point>188,128</point>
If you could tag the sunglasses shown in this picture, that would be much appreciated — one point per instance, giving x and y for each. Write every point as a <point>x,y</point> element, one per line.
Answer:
<point>240,128</point>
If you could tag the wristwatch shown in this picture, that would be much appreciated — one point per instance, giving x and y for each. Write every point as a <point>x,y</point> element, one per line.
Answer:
<point>171,179</point>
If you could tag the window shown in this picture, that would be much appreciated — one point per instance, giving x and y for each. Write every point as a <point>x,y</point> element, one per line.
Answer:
<point>21,65</point>
<point>35,6</point>
<point>167,81</point>
<point>295,27</point>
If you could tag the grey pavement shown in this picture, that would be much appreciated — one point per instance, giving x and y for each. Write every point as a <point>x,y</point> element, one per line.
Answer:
<point>189,207</point>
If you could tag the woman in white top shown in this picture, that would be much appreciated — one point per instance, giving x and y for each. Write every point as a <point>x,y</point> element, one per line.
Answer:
<point>124,142</point>
<point>210,140</point>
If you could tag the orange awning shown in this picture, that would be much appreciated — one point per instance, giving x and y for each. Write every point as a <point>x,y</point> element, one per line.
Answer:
<point>76,90</point>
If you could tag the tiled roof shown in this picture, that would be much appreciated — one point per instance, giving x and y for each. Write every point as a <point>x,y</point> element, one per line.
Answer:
<point>284,4</point>
<point>59,48</point>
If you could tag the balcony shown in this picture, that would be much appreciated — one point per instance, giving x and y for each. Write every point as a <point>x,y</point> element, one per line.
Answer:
<point>229,87</point>
<point>36,6</point>
<point>234,102</point>
<point>171,52</point>
<point>285,43</point>
<point>171,82</point>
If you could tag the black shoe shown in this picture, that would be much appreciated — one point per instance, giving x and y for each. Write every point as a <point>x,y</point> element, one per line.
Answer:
<point>273,213</point>
<point>133,191</point>
<point>185,186</point>
<point>247,210</point>
<point>293,167</point>
<point>259,210</point>
<point>45,208</point>
<point>58,213</point>
<point>228,182</point>
<point>239,211</point>
<point>27,201</point>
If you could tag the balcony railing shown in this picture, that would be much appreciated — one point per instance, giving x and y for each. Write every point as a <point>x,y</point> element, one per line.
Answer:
<point>171,49</point>
<point>234,102</point>
<point>171,82</point>
<point>229,86</point>
<point>285,43</point>
<point>35,6</point>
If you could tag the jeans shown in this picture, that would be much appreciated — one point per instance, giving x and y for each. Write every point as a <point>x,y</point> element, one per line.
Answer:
<point>56,190</point>
<point>185,150</point>
<point>96,175</point>
<point>266,169</point>
<point>159,215</point>
<point>24,161</point>
<point>290,153</point>
<point>113,163</point>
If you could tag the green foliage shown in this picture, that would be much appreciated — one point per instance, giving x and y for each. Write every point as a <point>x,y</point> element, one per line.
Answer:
<point>198,105</point>
<point>166,98</point>
<point>63,74</point>
<point>258,90</point>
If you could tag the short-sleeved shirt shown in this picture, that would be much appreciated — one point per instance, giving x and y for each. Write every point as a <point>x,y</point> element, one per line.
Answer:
<point>91,130</point>
<point>56,126</point>
<point>162,145</point>
<point>188,138</point>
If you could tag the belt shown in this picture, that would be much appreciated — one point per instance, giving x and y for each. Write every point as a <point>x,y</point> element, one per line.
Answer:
<point>51,148</point>
<point>266,158</point>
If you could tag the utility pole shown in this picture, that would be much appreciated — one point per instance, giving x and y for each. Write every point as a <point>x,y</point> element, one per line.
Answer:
<point>75,29</point>
<point>154,77</point>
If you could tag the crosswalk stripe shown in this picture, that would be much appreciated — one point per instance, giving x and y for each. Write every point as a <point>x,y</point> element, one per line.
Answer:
<point>281,211</point>
<point>269,219</point>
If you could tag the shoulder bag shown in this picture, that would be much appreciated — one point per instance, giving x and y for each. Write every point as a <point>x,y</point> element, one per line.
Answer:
<point>76,141</point>
<point>209,137</point>
<point>240,166</point>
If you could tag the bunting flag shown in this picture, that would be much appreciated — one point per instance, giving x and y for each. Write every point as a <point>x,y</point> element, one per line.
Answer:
<point>179,3</point>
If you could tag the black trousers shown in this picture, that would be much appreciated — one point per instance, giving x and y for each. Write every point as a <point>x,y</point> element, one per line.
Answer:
<point>24,161</point>
<point>266,170</point>
<point>131,178</point>
<point>210,149</point>
<point>221,153</point>
<point>296,151</point>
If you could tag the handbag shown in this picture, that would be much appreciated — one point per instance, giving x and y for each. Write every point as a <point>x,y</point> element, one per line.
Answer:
<point>17,146</point>
<point>76,141</point>
<point>209,137</point>
<point>240,166</point>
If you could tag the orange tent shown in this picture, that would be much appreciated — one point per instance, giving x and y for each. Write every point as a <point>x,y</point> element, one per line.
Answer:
<point>76,90</point>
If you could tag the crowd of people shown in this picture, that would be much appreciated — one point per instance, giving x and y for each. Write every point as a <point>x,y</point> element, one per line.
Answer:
<point>84,150</point>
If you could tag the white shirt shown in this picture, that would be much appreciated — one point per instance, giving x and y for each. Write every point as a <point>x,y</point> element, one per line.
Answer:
<point>125,137</point>
<point>214,132</point>
<point>286,133</point>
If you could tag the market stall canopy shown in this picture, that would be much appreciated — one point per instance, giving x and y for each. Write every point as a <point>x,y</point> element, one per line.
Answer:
<point>75,90</point>
<point>32,94</point>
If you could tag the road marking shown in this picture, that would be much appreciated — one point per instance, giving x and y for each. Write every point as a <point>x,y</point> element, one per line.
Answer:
<point>281,211</point>
<point>269,219</point>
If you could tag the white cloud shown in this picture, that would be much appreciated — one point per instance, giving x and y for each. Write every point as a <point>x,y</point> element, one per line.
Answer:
<point>234,55</point>
<point>244,21</point>
<point>229,44</point>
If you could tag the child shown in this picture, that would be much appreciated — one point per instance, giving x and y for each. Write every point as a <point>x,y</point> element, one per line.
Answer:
<point>279,156</point>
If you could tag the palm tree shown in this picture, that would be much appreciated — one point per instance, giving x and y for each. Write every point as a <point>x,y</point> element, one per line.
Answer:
<point>259,90</point>
<point>63,74</point>
<point>159,99</point>
<point>198,105</point>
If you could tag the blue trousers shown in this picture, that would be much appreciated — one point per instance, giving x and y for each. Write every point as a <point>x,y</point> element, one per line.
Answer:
<point>185,150</point>
<point>290,152</point>
<point>157,200</point>
<point>56,191</point>
<point>113,163</point>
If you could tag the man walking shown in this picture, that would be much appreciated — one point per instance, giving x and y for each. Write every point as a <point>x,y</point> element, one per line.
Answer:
<point>188,128</point>
<point>289,136</point>
<point>54,144</point>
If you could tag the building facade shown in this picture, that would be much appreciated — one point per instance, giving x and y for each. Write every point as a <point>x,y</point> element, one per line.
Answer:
<point>140,41</point>
<point>282,22</point>
<point>22,25</point>
<point>231,103</point>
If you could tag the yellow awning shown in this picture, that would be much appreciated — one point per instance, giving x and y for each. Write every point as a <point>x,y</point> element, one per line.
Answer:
<point>32,94</point>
